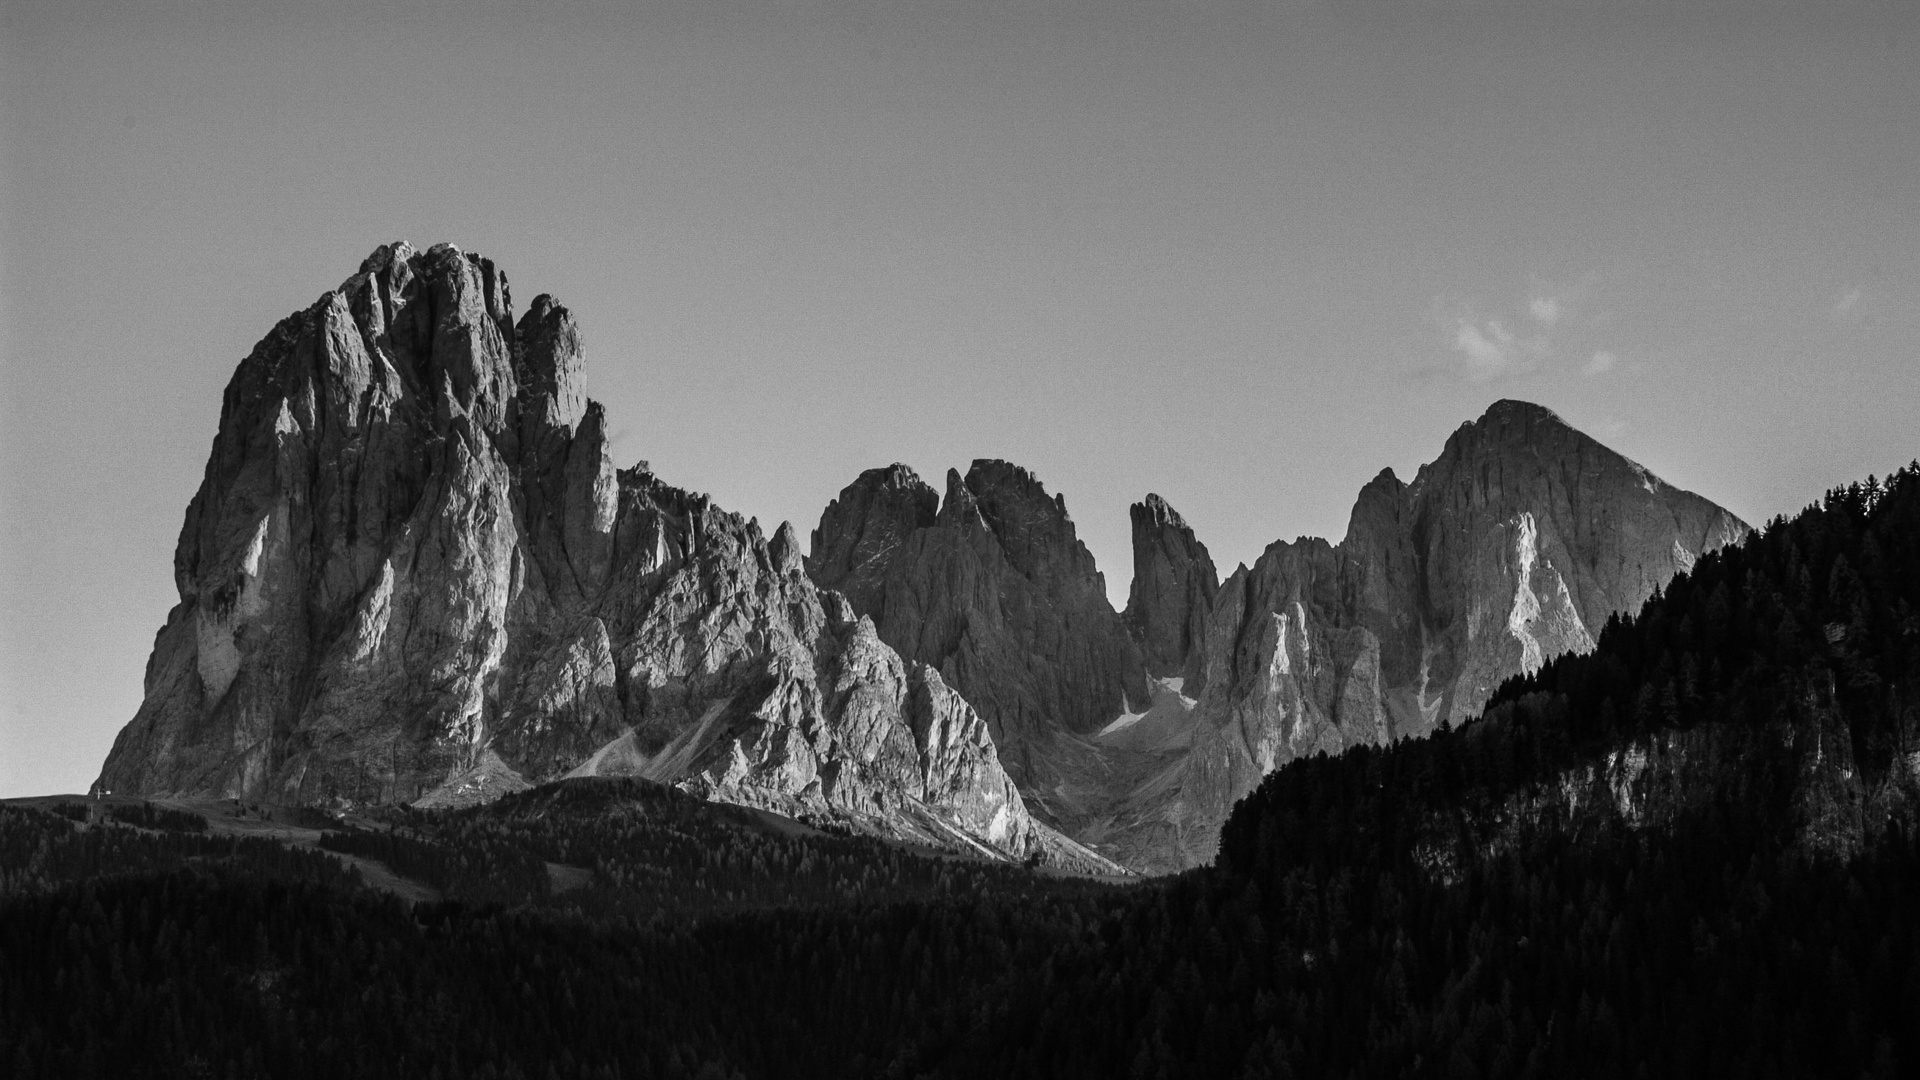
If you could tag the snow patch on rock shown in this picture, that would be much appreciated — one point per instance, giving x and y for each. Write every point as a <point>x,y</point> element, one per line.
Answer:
<point>1126,719</point>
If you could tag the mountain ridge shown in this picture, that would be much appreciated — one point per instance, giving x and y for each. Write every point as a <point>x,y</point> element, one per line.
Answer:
<point>412,572</point>
<point>1515,544</point>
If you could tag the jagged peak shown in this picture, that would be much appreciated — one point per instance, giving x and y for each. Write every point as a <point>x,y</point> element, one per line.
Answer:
<point>1512,409</point>
<point>1158,511</point>
<point>891,477</point>
<point>879,509</point>
<point>545,308</point>
<point>784,549</point>
<point>997,468</point>
<point>1385,484</point>
<point>1381,499</point>
<point>960,507</point>
<point>550,360</point>
<point>400,254</point>
<point>991,477</point>
<point>386,255</point>
<point>1000,473</point>
<point>1280,548</point>
<point>1512,425</point>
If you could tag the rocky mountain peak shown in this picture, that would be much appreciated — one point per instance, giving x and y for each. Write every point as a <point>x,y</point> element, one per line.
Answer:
<point>860,529</point>
<point>1158,513</point>
<point>1516,544</point>
<point>997,593</point>
<point>784,550</point>
<point>1513,411</point>
<point>959,509</point>
<point>551,368</point>
<point>1520,433</point>
<point>411,573</point>
<point>1032,527</point>
<point>1174,584</point>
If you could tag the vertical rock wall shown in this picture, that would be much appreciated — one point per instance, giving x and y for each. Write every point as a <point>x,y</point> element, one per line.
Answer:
<point>995,590</point>
<point>411,572</point>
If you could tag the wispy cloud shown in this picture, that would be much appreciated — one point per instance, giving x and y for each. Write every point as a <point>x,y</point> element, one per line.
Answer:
<point>1488,346</point>
<point>1549,326</point>
<point>1846,309</point>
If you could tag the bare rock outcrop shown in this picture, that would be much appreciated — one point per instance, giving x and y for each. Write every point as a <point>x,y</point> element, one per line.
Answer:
<point>995,590</point>
<point>411,572</point>
<point>1515,545</point>
<point>1174,585</point>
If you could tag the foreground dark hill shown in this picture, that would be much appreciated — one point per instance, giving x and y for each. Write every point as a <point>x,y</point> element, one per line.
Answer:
<point>1691,853</point>
<point>412,573</point>
<point>602,848</point>
<point>567,928</point>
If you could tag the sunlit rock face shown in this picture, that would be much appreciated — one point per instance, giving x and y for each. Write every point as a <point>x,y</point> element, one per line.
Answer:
<point>991,586</point>
<point>411,572</point>
<point>1516,545</point>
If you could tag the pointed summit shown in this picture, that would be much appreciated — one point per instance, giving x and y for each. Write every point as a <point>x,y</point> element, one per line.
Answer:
<point>996,591</point>
<point>1516,544</point>
<point>1174,583</point>
<point>872,517</point>
<point>1514,410</point>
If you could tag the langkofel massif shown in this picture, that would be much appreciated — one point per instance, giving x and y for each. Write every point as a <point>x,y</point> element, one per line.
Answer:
<point>413,574</point>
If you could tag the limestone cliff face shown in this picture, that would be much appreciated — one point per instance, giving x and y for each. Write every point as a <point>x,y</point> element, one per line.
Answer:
<point>412,572</point>
<point>1517,544</point>
<point>993,588</point>
<point>1174,585</point>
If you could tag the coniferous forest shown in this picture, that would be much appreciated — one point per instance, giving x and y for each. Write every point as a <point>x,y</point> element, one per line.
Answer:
<point>1692,852</point>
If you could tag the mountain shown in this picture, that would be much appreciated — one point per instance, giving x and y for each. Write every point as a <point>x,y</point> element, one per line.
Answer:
<point>992,587</point>
<point>1174,586</point>
<point>1515,545</point>
<point>1136,733</point>
<point>1690,852</point>
<point>412,574</point>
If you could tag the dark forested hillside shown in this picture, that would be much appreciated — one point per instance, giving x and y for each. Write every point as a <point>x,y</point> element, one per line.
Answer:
<point>603,847</point>
<point>1690,853</point>
<point>214,959</point>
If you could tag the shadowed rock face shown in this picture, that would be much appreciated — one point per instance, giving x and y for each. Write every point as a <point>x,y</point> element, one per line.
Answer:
<point>412,573</point>
<point>1517,544</point>
<point>1174,584</point>
<point>994,589</point>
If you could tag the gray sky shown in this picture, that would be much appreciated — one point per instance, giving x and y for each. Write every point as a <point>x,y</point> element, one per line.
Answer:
<point>1241,254</point>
